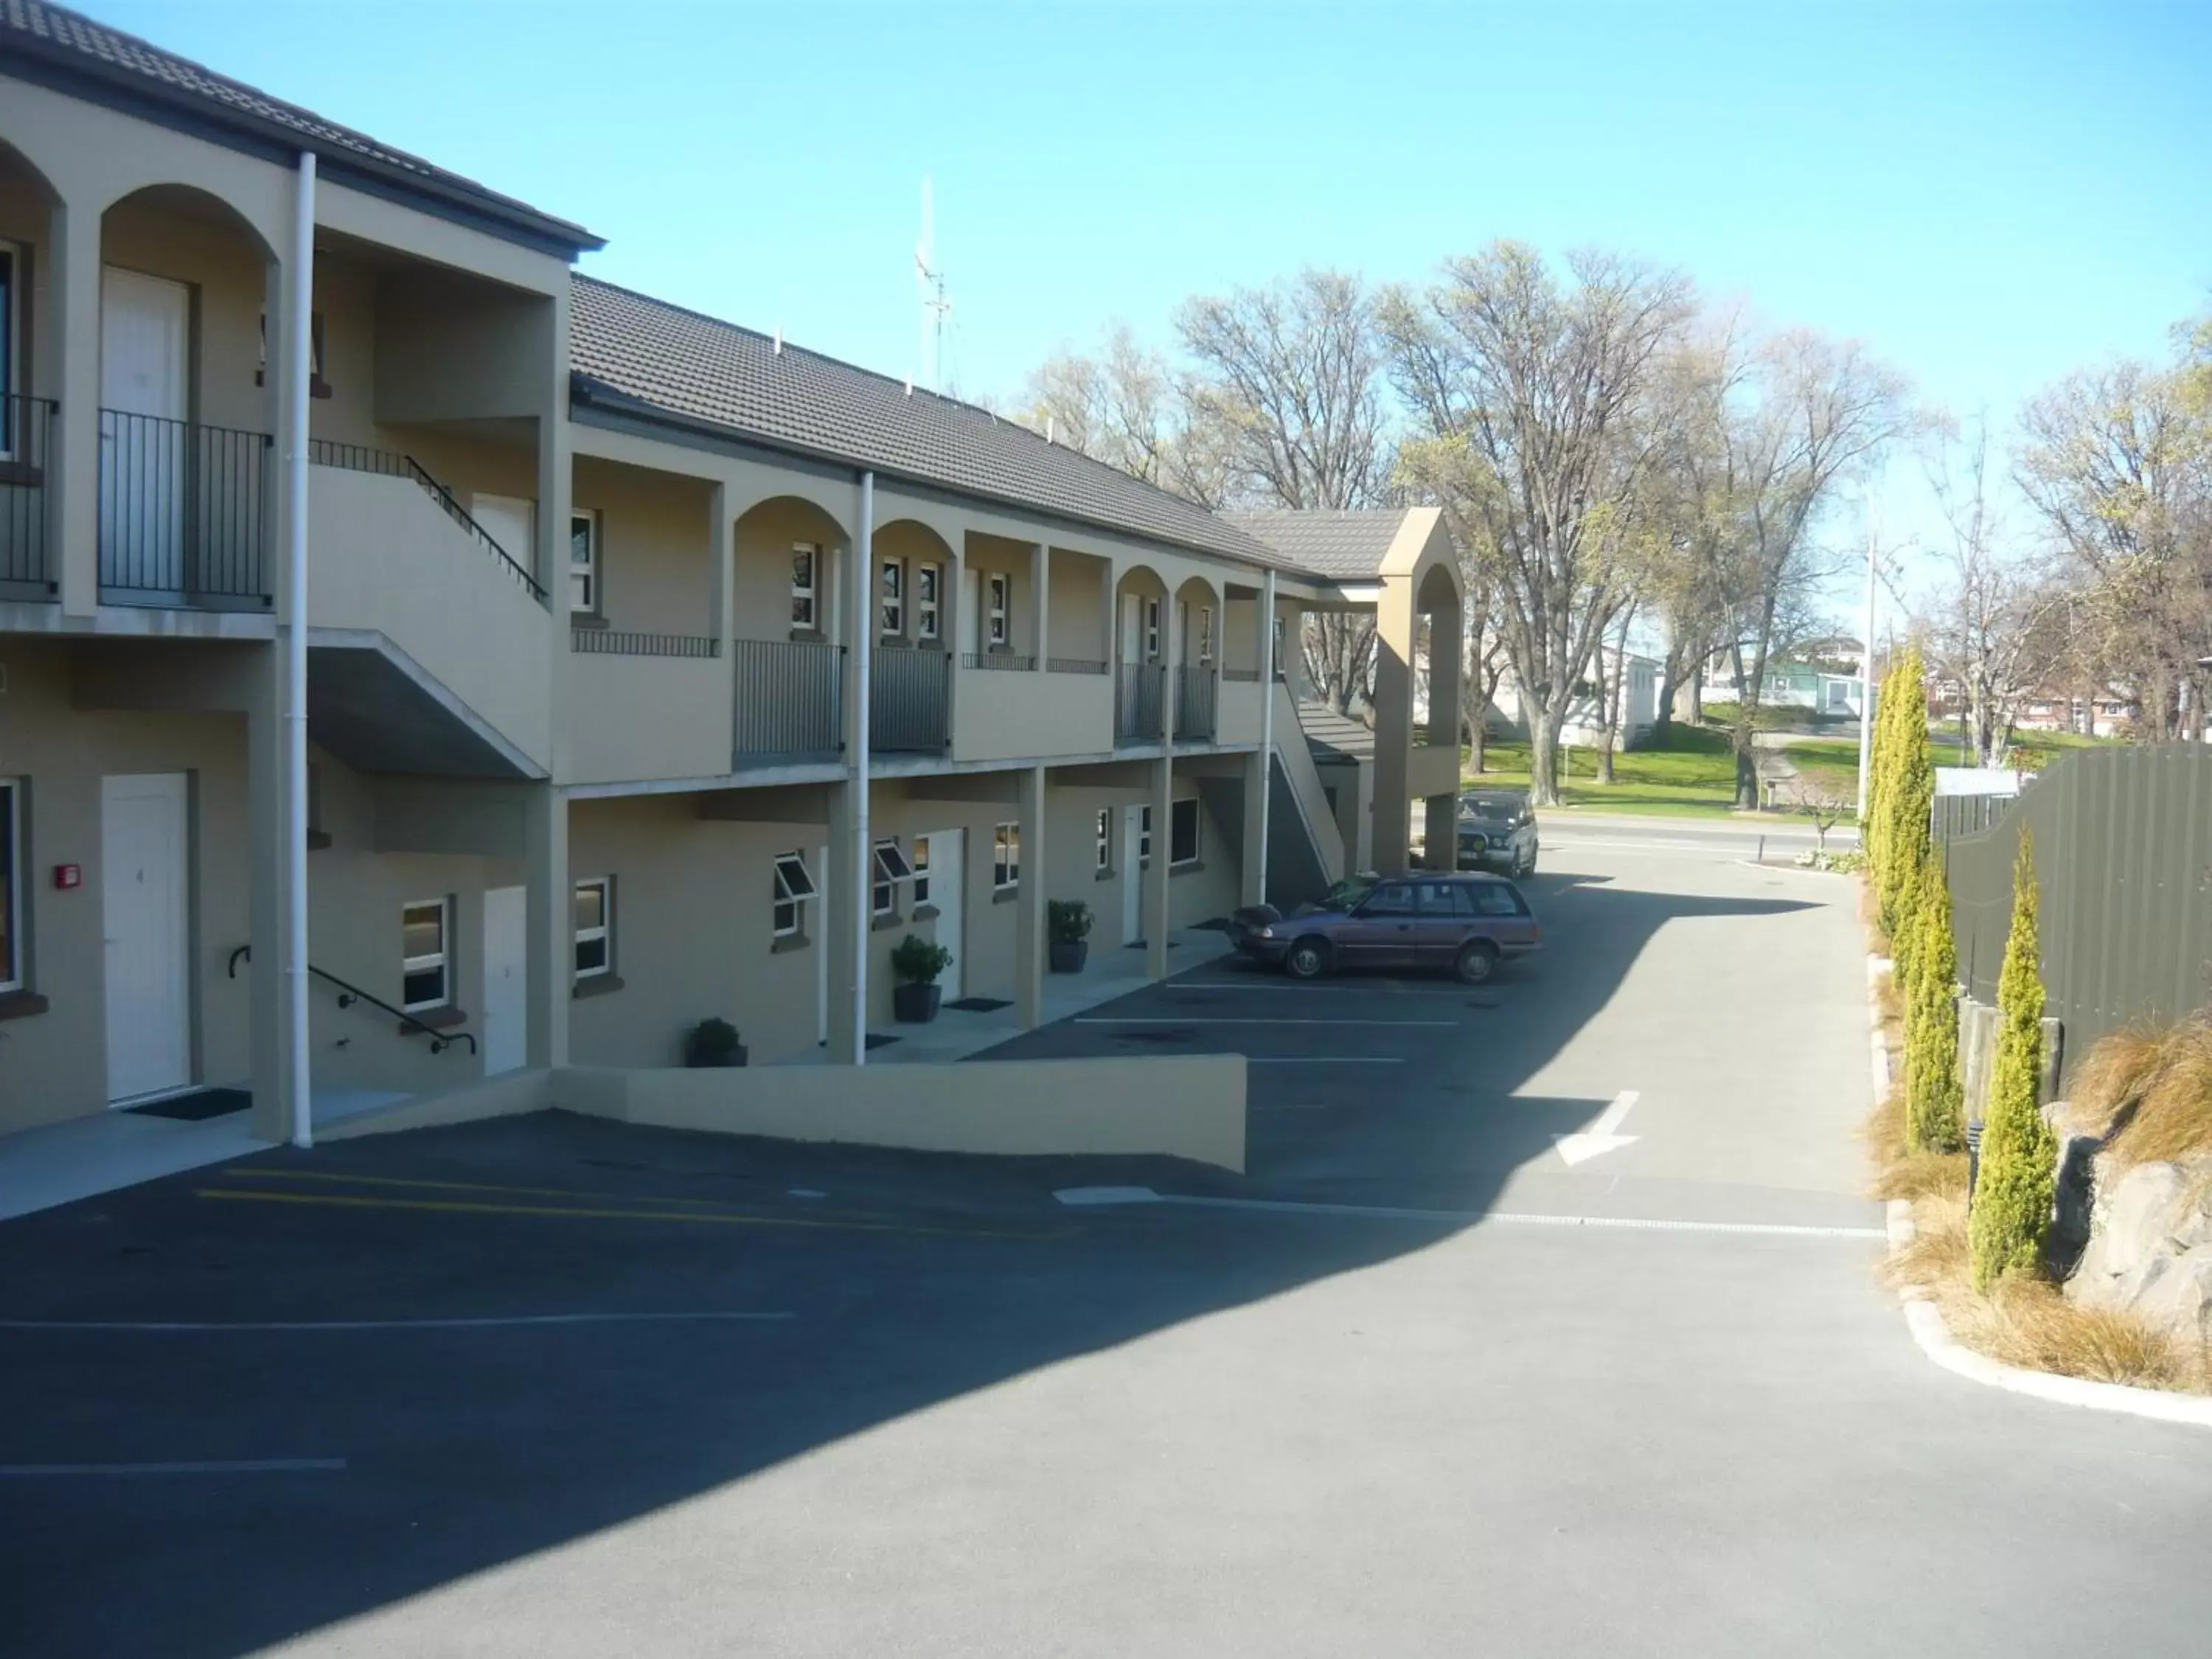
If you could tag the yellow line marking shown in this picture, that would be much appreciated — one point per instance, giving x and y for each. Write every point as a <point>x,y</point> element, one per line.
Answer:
<point>456,1206</point>
<point>489,1186</point>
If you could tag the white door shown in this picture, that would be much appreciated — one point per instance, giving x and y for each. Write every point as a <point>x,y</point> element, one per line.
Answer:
<point>143,919</point>
<point>1133,634</point>
<point>1132,878</point>
<point>512,522</point>
<point>948,867</point>
<point>145,324</point>
<point>506,1004</point>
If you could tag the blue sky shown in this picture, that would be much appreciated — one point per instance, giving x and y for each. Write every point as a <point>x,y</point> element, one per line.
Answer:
<point>1990,194</point>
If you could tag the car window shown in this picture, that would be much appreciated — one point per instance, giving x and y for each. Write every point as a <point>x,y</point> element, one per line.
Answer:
<point>1495,898</point>
<point>1391,898</point>
<point>1440,898</point>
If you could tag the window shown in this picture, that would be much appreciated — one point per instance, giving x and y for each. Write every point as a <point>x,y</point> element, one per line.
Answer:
<point>317,385</point>
<point>1391,898</point>
<point>926,577</point>
<point>894,597</point>
<point>890,869</point>
<point>1495,898</point>
<point>12,887</point>
<point>595,922</point>
<point>1183,832</point>
<point>997,592</point>
<point>1152,630</point>
<point>1206,633</point>
<point>1443,900</point>
<point>583,561</point>
<point>1105,833</point>
<point>1144,834</point>
<point>1006,855</point>
<point>425,968</point>
<point>1281,631</point>
<point>920,871</point>
<point>794,887</point>
<point>805,573</point>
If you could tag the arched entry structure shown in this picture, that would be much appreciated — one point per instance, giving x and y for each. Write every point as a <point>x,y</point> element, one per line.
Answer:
<point>790,565</point>
<point>1198,608</point>
<point>1142,617</point>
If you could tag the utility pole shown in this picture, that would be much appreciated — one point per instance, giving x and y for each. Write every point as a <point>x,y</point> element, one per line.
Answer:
<point>1866,673</point>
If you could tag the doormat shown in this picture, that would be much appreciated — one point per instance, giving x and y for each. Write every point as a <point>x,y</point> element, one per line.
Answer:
<point>197,1107</point>
<point>874,1041</point>
<point>981,1005</point>
<point>1139,944</point>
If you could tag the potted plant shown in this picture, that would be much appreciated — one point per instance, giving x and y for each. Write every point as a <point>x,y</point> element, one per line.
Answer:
<point>1067,921</point>
<point>917,962</point>
<point>712,1042</point>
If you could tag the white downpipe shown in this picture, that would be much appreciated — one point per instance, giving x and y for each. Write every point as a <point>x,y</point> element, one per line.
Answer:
<point>1866,687</point>
<point>864,600</point>
<point>1267,717</point>
<point>299,304</point>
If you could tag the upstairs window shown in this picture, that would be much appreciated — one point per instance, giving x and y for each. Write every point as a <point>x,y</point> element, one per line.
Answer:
<point>584,561</point>
<point>926,609</point>
<point>805,573</point>
<point>1152,630</point>
<point>998,595</point>
<point>892,598</point>
<point>1206,633</point>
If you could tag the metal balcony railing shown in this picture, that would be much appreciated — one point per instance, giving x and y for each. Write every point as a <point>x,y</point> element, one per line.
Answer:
<point>1137,696</point>
<point>790,701</point>
<point>25,442</point>
<point>1242,675</point>
<point>616,643</point>
<point>183,509</point>
<point>1193,703</point>
<point>1075,665</point>
<point>1005,661</point>
<point>910,701</point>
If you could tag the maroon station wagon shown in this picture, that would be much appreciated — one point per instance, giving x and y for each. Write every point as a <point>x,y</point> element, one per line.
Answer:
<point>1465,923</point>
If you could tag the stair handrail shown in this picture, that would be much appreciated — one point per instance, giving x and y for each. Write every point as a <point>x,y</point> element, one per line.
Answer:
<point>349,993</point>
<point>460,515</point>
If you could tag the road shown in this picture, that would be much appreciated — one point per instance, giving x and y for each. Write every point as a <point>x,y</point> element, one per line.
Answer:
<point>1415,1384</point>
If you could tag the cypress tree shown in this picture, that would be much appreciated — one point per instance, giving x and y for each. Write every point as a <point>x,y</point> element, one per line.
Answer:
<point>2014,1194</point>
<point>1933,1114</point>
<point>1909,794</point>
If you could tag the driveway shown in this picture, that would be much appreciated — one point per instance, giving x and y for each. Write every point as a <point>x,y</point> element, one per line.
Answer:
<point>1418,1384</point>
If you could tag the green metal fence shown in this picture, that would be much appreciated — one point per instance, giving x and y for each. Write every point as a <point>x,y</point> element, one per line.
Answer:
<point>2123,859</point>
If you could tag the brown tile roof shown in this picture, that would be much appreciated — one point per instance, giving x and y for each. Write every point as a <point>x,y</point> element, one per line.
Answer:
<point>702,370</point>
<point>1333,737</point>
<point>33,34</point>
<point>1347,544</point>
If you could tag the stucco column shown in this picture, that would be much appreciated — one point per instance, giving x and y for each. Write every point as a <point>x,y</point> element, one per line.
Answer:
<point>1108,612</point>
<point>71,375</point>
<point>1440,831</point>
<point>1029,899</point>
<point>555,482</point>
<point>1395,626</point>
<point>840,903</point>
<point>549,902</point>
<point>1040,608</point>
<point>1156,877</point>
<point>721,575</point>
<point>1258,770</point>
<point>264,798</point>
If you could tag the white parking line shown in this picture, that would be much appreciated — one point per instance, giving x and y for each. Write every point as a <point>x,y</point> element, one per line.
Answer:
<point>1324,1060</point>
<point>1099,1196</point>
<point>240,1466</point>
<point>487,1323</point>
<point>1202,1019</point>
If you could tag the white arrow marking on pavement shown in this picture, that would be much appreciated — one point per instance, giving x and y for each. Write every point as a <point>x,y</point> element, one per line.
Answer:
<point>1600,1137</point>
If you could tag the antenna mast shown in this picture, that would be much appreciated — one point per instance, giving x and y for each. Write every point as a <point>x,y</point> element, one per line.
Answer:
<point>929,278</point>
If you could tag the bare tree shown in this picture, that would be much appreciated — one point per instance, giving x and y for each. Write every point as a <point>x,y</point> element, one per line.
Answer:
<point>1128,408</point>
<point>1611,681</point>
<point>2000,630</point>
<point>1524,391</point>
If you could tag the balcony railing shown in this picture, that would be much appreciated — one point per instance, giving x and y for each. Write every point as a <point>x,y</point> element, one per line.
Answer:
<point>360,458</point>
<point>616,643</point>
<point>1075,666</point>
<point>182,512</point>
<point>910,701</point>
<point>790,701</point>
<point>1137,702</point>
<point>1242,675</point>
<point>25,439</point>
<point>1005,661</point>
<point>1193,703</point>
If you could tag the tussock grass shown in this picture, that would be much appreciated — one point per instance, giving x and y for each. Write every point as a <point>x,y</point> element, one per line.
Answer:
<point>1900,1172</point>
<point>2026,1323</point>
<point>2149,1093</point>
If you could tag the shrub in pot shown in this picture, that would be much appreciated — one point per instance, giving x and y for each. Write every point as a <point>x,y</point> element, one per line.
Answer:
<point>916,961</point>
<point>712,1042</point>
<point>1067,921</point>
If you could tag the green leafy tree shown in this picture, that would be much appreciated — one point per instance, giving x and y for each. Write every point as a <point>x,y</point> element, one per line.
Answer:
<point>1933,1114</point>
<point>2014,1194</point>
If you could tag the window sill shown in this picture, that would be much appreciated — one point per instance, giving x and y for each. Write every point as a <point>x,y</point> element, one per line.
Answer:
<point>596,985</point>
<point>22,475</point>
<point>22,1005</point>
<point>925,912</point>
<point>807,637</point>
<point>1189,867</point>
<point>783,943</point>
<point>443,1018</point>
<point>1005,894</point>
<point>886,921</point>
<point>1105,875</point>
<point>591,619</point>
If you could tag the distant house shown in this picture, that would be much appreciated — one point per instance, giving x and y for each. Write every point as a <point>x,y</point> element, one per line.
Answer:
<point>1639,705</point>
<point>1825,683</point>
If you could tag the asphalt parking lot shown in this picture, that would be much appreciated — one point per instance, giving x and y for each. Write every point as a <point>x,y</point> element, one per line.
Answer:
<point>1418,1383</point>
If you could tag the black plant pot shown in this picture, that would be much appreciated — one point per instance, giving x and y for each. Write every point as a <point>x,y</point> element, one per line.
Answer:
<point>915,1005</point>
<point>1068,955</point>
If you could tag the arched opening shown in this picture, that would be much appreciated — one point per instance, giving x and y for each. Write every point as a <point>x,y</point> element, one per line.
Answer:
<point>29,380</point>
<point>1442,661</point>
<point>789,578</point>
<point>1198,654</point>
<point>188,399</point>
<point>916,630</point>
<point>1140,608</point>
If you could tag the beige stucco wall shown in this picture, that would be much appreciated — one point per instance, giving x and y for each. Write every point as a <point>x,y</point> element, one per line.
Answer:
<point>1237,705</point>
<point>656,549</point>
<point>761,583</point>
<point>634,718</point>
<point>1078,612</point>
<point>53,1066</point>
<point>1195,893</point>
<point>1005,715</point>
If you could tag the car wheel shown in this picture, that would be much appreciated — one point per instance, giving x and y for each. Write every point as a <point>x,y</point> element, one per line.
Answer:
<point>1478,962</point>
<point>1527,864</point>
<point>1307,959</point>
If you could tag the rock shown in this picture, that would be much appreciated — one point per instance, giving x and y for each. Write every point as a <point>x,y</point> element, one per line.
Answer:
<point>2076,1197</point>
<point>2127,1226</point>
<point>2179,1298</point>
